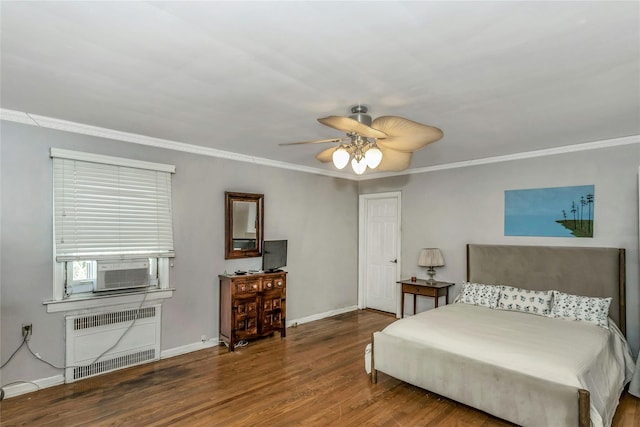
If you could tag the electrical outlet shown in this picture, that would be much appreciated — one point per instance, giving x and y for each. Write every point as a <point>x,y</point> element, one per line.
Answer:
<point>27,330</point>
<point>203,338</point>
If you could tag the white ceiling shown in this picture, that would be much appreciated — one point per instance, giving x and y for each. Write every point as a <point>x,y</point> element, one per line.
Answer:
<point>497,77</point>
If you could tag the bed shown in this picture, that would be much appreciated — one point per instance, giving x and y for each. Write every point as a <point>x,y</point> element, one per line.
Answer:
<point>529,369</point>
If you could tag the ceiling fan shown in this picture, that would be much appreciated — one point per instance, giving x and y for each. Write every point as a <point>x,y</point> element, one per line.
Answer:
<point>386,143</point>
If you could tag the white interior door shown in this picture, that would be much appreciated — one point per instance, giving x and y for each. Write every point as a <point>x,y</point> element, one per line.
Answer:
<point>379,251</point>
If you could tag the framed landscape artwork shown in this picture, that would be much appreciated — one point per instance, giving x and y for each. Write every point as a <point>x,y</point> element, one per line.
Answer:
<point>550,212</point>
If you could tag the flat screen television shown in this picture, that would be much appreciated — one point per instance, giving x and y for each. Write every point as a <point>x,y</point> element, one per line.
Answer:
<point>274,255</point>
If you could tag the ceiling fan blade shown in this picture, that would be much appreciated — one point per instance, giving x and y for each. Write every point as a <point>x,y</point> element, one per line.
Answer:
<point>347,124</point>
<point>392,160</point>
<point>317,141</point>
<point>406,135</point>
<point>326,156</point>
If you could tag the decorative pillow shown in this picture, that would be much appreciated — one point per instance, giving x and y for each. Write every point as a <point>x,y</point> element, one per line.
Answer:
<point>575,307</point>
<point>479,294</point>
<point>525,300</point>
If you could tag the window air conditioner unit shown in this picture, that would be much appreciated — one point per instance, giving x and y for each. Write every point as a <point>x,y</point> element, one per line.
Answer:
<point>122,274</point>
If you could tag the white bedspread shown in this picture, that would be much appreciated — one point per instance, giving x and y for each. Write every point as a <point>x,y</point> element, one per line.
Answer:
<point>571,353</point>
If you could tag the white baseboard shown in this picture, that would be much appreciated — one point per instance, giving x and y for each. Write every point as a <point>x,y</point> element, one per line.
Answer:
<point>188,348</point>
<point>13,390</point>
<point>319,316</point>
<point>17,389</point>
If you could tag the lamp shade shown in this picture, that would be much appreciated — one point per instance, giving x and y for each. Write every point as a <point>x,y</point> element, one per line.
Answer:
<point>359,166</point>
<point>430,257</point>
<point>340,157</point>
<point>373,156</point>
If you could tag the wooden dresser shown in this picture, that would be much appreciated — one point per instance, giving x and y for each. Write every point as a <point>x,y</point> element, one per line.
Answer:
<point>252,306</point>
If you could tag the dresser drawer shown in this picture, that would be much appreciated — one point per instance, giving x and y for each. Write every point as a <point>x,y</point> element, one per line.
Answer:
<point>246,308</point>
<point>245,328</point>
<point>271,322</point>
<point>273,283</point>
<point>420,290</point>
<point>279,283</point>
<point>268,284</point>
<point>271,302</point>
<point>247,286</point>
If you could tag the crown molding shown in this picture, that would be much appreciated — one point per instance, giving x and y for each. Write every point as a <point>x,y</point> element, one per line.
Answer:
<point>16,116</point>
<point>68,126</point>
<point>595,145</point>
<point>80,128</point>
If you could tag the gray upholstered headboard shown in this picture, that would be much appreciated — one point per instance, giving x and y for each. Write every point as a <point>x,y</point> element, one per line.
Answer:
<point>596,272</point>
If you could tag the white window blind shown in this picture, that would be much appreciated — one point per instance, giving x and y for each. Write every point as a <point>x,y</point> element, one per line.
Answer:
<point>106,210</point>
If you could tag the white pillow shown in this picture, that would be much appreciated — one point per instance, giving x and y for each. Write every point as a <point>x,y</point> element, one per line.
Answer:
<point>586,309</point>
<point>479,294</point>
<point>525,300</point>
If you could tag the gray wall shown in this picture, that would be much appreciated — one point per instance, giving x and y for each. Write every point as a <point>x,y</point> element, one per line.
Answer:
<point>450,208</point>
<point>317,214</point>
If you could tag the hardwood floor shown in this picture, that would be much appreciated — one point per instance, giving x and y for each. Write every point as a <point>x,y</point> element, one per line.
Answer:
<point>315,376</point>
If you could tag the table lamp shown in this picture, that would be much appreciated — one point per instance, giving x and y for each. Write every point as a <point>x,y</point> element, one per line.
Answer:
<point>431,258</point>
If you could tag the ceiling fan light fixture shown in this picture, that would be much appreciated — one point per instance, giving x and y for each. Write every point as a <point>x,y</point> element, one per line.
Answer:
<point>398,139</point>
<point>373,156</point>
<point>340,157</point>
<point>359,166</point>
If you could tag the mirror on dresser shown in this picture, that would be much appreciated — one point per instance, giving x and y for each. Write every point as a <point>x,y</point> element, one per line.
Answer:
<point>244,224</point>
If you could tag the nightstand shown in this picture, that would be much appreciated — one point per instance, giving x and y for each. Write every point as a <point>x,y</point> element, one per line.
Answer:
<point>424,288</point>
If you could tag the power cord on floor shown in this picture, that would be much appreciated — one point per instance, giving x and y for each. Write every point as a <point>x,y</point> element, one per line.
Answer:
<point>25,342</point>
<point>241,343</point>
<point>17,382</point>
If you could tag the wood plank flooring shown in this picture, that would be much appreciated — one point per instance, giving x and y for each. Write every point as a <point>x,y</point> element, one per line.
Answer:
<point>313,377</point>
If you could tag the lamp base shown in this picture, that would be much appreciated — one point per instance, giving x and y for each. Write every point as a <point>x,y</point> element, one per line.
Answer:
<point>431,272</point>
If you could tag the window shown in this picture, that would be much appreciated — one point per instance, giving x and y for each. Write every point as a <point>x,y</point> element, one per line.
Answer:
<point>106,209</point>
<point>80,277</point>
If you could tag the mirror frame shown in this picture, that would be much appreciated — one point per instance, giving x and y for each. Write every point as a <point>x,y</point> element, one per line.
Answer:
<point>230,198</point>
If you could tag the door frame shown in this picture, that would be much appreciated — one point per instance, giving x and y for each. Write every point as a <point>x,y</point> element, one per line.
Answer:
<point>363,200</point>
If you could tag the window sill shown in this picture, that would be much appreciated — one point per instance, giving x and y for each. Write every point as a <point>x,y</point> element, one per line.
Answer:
<point>98,301</point>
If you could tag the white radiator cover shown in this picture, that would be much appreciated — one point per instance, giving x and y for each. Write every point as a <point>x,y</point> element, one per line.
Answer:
<point>89,334</point>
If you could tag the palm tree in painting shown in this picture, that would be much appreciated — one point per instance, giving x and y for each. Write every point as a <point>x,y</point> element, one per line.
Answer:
<point>589,203</point>
<point>573,211</point>
<point>583,202</point>
<point>564,215</point>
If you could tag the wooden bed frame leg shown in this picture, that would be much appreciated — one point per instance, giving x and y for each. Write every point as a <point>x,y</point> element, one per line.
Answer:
<point>584,418</point>
<point>374,373</point>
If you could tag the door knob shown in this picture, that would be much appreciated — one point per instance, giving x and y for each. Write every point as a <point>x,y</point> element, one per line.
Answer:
<point>395,261</point>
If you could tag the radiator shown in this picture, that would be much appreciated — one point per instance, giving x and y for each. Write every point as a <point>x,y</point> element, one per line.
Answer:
<point>89,335</point>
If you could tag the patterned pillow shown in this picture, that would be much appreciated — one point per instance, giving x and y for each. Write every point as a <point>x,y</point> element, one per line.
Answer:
<point>587,309</point>
<point>525,300</point>
<point>479,294</point>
